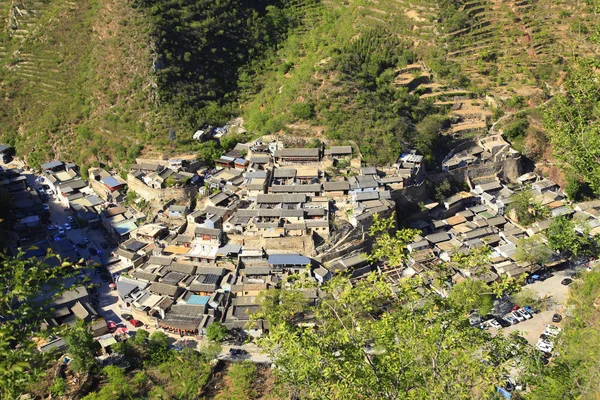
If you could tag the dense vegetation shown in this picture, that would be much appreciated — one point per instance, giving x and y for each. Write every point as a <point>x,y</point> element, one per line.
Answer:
<point>209,50</point>
<point>576,373</point>
<point>573,123</point>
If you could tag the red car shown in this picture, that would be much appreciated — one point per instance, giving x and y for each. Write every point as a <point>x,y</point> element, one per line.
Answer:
<point>135,323</point>
<point>515,307</point>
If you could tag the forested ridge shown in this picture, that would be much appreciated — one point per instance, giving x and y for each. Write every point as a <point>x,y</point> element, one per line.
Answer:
<point>108,70</point>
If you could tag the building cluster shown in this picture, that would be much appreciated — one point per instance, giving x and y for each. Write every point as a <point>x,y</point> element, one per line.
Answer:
<point>482,217</point>
<point>193,263</point>
<point>197,280</point>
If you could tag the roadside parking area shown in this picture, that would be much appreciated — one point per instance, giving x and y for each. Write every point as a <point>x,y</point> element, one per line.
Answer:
<point>531,329</point>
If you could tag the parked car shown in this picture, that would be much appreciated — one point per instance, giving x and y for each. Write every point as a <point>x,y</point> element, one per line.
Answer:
<point>531,310</point>
<point>41,191</point>
<point>524,313</point>
<point>104,245</point>
<point>503,323</point>
<point>68,226</point>
<point>86,240</point>
<point>61,230</point>
<point>135,323</point>
<point>515,307</point>
<point>127,317</point>
<point>81,245</point>
<point>494,324</point>
<point>511,319</point>
<point>237,352</point>
<point>45,187</point>
<point>50,192</point>
<point>46,206</point>
<point>566,281</point>
<point>544,345</point>
<point>552,330</point>
<point>556,318</point>
<point>517,316</point>
<point>51,227</point>
<point>92,251</point>
<point>70,219</point>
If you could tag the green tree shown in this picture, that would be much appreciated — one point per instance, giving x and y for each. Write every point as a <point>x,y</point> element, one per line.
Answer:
<point>117,386</point>
<point>141,336</point>
<point>533,250</point>
<point>216,331</point>
<point>302,111</point>
<point>158,348</point>
<point>242,377</point>
<point>388,247</point>
<point>473,294</point>
<point>59,387</point>
<point>572,123</point>
<point>369,342</point>
<point>209,151</point>
<point>562,237</point>
<point>575,374</point>
<point>443,190</point>
<point>281,306</point>
<point>28,288</point>
<point>210,350</point>
<point>526,209</point>
<point>81,347</point>
<point>187,374</point>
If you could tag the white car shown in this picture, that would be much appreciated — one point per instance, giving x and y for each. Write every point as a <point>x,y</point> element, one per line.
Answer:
<point>68,227</point>
<point>61,230</point>
<point>552,330</point>
<point>494,324</point>
<point>517,316</point>
<point>46,206</point>
<point>511,319</point>
<point>544,345</point>
<point>71,219</point>
<point>524,313</point>
<point>49,191</point>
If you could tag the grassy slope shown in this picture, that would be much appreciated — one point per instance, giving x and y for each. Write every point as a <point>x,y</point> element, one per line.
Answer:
<point>76,81</point>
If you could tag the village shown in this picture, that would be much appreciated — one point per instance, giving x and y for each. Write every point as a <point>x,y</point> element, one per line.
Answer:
<point>175,245</point>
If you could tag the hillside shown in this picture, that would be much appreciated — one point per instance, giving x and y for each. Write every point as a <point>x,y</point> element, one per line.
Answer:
<point>76,80</point>
<point>79,77</point>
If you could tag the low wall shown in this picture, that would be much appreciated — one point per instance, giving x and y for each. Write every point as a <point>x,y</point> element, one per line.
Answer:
<point>150,194</point>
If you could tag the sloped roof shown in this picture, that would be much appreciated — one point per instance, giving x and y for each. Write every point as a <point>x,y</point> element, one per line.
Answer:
<point>288,259</point>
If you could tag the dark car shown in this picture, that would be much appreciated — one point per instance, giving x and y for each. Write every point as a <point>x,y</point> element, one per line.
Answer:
<point>503,323</point>
<point>104,245</point>
<point>543,336</point>
<point>556,318</point>
<point>81,245</point>
<point>236,352</point>
<point>92,251</point>
<point>105,278</point>
<point>127,317</point>
<point>566,281</point>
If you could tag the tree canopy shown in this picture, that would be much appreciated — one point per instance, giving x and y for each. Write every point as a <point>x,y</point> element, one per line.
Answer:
<point>572,122</point>
<point>562,236</point>
<point>369,342</point>
<point>24,302</point>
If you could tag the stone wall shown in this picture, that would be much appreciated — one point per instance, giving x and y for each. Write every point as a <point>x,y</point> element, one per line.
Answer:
<point>99,188</point>
<point>508,170</point>
<point>150,194</point>
<point>301,244</point>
